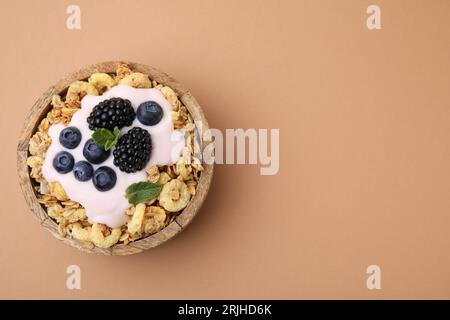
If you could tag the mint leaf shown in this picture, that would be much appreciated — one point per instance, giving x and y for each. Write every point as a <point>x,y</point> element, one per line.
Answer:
<point>108,145</point>
<point>102,135</point>
<point>142,191</point>
<point>105,138</point>
<point>116,132</point>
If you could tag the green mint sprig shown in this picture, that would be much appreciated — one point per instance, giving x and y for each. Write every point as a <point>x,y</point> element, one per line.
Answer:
<point>105,138</point>
<point>142,191</point>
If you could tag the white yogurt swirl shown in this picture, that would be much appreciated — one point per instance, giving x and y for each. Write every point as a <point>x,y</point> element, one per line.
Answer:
<point>109,207</point>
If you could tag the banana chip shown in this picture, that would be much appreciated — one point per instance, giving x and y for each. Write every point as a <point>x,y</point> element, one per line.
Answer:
<point>80,233</point>
<point>136,80</point>
<point>102,81</point>
<point>174,196</point>
<point>135,223</point>
<point>97,237</point>
<point>79,89</point>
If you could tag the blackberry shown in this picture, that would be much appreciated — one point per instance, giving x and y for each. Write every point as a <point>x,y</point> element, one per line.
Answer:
<point>114,112</point>
<point>132,151</point>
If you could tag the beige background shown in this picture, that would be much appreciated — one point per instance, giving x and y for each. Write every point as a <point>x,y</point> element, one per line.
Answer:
<point>364,118</point>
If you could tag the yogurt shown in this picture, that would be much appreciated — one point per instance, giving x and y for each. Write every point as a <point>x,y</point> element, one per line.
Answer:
<point>109,207</point>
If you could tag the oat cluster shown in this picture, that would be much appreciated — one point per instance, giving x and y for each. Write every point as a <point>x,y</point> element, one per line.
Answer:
<point>179,181</point>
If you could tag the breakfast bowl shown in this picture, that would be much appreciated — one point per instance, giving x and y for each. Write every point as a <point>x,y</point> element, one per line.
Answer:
<point>110,158</point>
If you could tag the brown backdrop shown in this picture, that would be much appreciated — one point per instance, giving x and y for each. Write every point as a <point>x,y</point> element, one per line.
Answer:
<point>364,119</point>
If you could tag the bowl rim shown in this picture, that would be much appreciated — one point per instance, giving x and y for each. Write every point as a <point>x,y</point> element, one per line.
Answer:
<point>40,110</point>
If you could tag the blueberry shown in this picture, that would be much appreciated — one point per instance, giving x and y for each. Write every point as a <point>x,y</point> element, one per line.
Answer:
<point>70,137</point>
<point>149,113</point>
<point>94,153</point>
<point>83,170</point>
<point>63,162</point>
<point>104,178</point>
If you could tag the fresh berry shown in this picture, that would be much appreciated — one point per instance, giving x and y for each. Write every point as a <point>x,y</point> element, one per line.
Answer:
<point>149,113</point>
<point>63,162</point>
<point>70,137</point>
<point>94,153</point>
<point>114,112</point>
<point>104,178</point>
<point>133,150</point>
<point>83,170</point>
